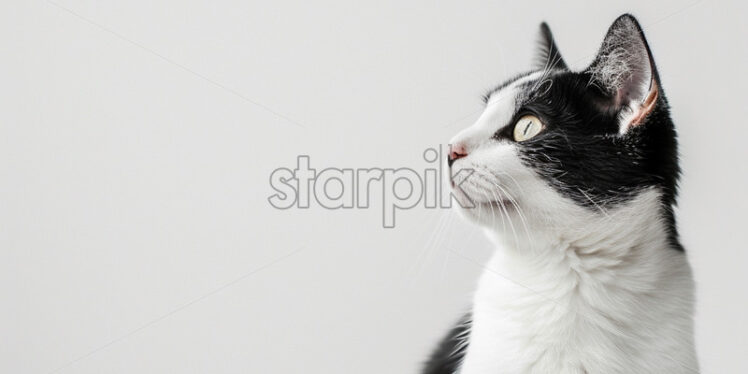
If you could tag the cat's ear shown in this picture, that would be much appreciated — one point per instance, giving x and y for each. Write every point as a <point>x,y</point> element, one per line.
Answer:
<point>625,71</point>
<point>548,57</point>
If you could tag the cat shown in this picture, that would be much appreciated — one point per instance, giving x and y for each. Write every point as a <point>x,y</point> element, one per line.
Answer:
<point>573,176</point>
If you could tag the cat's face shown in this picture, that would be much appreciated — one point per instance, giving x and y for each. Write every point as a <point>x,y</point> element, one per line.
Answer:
<point>555,146</point>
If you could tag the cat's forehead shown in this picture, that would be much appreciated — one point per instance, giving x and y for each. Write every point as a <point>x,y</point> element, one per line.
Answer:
<point>527,87</point>
<point>503,101</point>
<point>516,85</point>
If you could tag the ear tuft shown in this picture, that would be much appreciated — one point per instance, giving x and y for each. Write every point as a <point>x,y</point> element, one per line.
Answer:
<point>548,56</point>
<point>623,66</point>
<point>624,70</point>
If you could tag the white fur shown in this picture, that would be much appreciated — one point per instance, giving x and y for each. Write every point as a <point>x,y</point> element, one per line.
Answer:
<point>569,290</point>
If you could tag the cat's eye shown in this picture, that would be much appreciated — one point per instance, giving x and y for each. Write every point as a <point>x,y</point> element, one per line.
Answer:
<point>527,127</point>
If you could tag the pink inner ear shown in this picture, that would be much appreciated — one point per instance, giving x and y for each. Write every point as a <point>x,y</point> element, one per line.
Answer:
<point>646,107</point>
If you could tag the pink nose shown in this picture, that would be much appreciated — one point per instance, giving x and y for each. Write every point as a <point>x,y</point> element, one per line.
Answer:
<point>456,151</point>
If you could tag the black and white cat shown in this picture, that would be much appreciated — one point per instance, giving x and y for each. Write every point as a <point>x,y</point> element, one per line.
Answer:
<point>574,177</point>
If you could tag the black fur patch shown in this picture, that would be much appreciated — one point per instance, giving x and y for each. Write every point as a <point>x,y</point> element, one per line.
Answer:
<point>447,357</point>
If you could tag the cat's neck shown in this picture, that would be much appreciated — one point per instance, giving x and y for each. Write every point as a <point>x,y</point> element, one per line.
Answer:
<point>562,290</point>
<point>568,228</point>
<point>623,252</point>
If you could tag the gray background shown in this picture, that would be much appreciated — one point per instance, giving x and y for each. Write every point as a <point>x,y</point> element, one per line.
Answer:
<point>136,141</point>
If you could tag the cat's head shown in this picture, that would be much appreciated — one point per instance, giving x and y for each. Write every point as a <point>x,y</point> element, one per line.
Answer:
<point>558,148</point>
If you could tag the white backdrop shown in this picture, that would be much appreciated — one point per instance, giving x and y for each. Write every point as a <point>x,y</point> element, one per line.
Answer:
<point>137,139</point>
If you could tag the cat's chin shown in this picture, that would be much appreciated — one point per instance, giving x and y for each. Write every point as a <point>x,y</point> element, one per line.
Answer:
<point>488,213</point>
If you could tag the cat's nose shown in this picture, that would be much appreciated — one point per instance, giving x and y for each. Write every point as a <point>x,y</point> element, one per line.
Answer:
<point>456,151</point>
